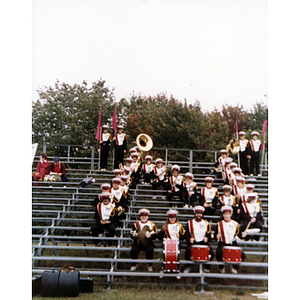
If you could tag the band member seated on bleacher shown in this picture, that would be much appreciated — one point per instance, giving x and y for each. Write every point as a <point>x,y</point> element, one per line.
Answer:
<point>106,218</point>
<point>118,197</point>
<point>161,176</point>
<point>172,230</point>
<point>244,145</point>
<point>117,173</point>
<point>190,192</point>
<point>227,199</point>
<point>236,172</point>
<point>148,170</point>
<point>103,147</point>
<point>135,170</point>
<point>175,185</point>
<point>209,197</point>
<point>143,233</point>
<point>198,233</point>
<point>226,232</point>
<point>226,171</point>
<point>42,168</point>
<point>105,187</point>
<point>220,163</point>
<point>251,216</point>
<point>230,174</point>
<point>239,189</point>
<point>124,185</point>
<point>249,190</point>
<point>120,145</point>
<point>128,162</point>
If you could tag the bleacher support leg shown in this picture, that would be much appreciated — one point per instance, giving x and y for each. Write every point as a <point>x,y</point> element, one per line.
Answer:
<point>202,283</point>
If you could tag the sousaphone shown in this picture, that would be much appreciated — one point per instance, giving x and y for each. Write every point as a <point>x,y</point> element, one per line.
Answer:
<point>144,142</point>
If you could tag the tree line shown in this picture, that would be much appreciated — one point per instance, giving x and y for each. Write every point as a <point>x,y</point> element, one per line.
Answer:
<point>68,114</point>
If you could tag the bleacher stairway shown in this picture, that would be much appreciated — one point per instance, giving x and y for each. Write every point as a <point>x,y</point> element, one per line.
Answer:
<point>62,217</point>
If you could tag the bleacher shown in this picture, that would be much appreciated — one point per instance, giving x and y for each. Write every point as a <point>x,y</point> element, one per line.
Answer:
<point>62,217</point>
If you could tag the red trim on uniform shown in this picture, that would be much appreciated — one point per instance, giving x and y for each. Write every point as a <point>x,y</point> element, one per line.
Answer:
<point>191,228</point>
<point>167,232</point>
<point>222,232</point>
<point>203,194</point>
<point>99,208</point>
<point>246,209</point>
<point>137,225</point>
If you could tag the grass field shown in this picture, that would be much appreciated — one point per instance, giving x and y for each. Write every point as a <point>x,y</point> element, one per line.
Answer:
<point>145,293</point>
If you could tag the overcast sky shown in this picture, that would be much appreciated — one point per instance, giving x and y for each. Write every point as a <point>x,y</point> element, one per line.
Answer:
<point>214,51</point>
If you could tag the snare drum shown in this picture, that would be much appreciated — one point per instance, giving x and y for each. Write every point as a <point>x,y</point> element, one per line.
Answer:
<point>200,252</point>
<point>232,254</point>
<point>171,255</point>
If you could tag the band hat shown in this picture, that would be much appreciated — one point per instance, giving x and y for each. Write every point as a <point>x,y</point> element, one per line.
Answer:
<point>189,175</point>
<point>120,126</point>
<point>226,208</point>
<point>209,179</point>
<point>127,169</point>
<point>105,195</point>
<point>117,180</point>
<point>227,187</point>
<point>242,133</point>
<point>105,126</point>
<point>148,157</point>
<point>254,133</point>
<point>117,171</point>
<point>250,186</point>
<point>233,165</point>
<point>240,178</point>
<point>158,160</point>
<point>56,159</point>
<point>129,159</point>
<point>135,154</point>
<point>228,160</point>
<point>144,212</point>
<point>176,167</point>
<point>239,170</point>
<point>251,196</point>
<point>105,186</point>
<point>124,177</point>
<point>199,208</point>
<point>132,150</point>
<point>172,212</point>
<point>223,151</point>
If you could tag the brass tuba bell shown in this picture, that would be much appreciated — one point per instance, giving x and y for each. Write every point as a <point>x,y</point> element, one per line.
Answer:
<point>144,142</point>
<point>233,146</point>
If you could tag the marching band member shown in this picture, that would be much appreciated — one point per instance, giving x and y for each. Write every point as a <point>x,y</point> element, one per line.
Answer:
<point>175,185</point>
<point>143,233</point>
<point>209,196</point>
<point>172,229</point>
<point>236,172</point>
<point>103,147</point>
<point>190,192</point>
<point>239,189</point>
<point>105,187</point>
<point>230,175</point>
<point>226,172</point>
<point>227,230</point>
<point>161,173</point>
<point>120,146</point>
<point>244,145</point>
<point>254,153</point>
<point>148,170</point>
<point>220,163</point>
<point>118,197</point>
<point>106,218</point>
<point>128,162</point>
<point>251,216</point>
<point>124,185</point>
<point>227,199</point>
<point>135,170</point>
<point>198,233</point>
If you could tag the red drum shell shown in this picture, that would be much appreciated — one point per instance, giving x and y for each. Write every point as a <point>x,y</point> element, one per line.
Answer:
<point>200,252</point>
<point>171,255</point>
<point>232,254</point>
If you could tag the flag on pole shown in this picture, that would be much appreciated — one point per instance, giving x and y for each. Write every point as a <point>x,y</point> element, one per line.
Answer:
<point>114,122</point>
<point>99,128</point>
<point>264,130</point>
<point>236,134</point>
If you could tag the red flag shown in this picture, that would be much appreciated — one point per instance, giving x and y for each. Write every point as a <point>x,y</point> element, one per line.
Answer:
<point>99,128</point>
<point>264,130</point>
<point>236,135</point>
<point>114,122</point>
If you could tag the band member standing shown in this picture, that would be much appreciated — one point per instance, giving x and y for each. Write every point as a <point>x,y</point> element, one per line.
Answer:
<point>143,233</point>
<point>148,170</point>
<point>244,145</point>
<point>175,185</point>
<point>190,192</point>
<point>198,233</point>
<point>120,146</point>
<point>162,174</point>
<point>254,154</point>
<point>103,147</point>
<point>227,230</point>
<point>209,196</point>
<point>105,217</point>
